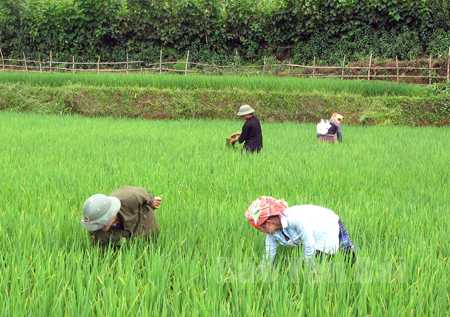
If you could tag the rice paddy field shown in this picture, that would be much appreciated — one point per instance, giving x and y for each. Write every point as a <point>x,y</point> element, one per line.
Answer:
<point>389,185</point>
<point>195,81</point>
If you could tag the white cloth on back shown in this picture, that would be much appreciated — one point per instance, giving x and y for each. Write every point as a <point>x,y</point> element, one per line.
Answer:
<point>311,227</point>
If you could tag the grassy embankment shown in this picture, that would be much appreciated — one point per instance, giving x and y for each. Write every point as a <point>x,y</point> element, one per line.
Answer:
<point>185,97</point>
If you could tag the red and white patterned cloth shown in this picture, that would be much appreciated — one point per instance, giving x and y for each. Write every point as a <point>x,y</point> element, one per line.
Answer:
<point>263,208</point>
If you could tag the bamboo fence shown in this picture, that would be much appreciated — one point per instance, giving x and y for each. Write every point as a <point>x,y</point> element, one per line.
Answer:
<point>369,72</point>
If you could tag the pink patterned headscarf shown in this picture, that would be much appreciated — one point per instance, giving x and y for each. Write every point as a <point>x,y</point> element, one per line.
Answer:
<point>336,117</point>
<point>263,208</point>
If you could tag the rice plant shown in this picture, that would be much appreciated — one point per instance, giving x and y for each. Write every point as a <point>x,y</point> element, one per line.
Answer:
<point>166,81</point>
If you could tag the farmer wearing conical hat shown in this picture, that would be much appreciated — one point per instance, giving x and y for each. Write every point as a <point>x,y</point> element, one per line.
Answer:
<point>126,212</point>
<point>334,128</point>
<point>316,229</point>
<point>251,131</point>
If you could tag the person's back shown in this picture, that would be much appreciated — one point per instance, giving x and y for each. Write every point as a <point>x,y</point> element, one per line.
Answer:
<point>335,128</point>
<point>251,134</point>
<point>317,224</point>
<point>136,210</point>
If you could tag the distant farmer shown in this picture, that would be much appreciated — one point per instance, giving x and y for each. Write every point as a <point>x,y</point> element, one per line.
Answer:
<point>317,230</point>
<point>251,131</point>
<point>127,212</point>
<point>333,126</point>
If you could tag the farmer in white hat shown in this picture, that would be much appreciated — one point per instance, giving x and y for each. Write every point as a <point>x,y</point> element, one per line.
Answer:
<point>251,131</point>
<point>128,211</point>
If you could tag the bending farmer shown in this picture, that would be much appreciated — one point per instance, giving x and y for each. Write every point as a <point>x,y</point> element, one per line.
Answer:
<point>126,212</point>
<point>251,131</point>
<point>335,128</point>
<point>316,229</point>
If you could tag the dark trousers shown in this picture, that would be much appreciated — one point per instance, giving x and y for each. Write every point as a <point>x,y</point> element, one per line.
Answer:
<point>250,150</point>
<point>349,254</point>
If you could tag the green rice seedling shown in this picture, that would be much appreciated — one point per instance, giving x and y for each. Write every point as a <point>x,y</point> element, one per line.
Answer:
<point>389,186</point>
<point>195,81</point>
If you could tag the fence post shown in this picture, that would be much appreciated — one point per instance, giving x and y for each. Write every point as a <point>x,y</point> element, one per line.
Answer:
<point>236,60</point>
<point>186,66</point>
<point>40,65</point>
<point>50,62</point>
<point>396,66</point>
<point>160,61</point>
<point>98,65</point>
<point>343,68</point>
<point>73,64</point>
<point>127,62</point>
<point>289,68</point>
<point>314,67</point>
<point>212,63</point>
<point>25,61</point>
<point>3,62</point>
<point>429,71</point>
<point>370,64</point>
<point>448,65</point>
<point>264,65</point>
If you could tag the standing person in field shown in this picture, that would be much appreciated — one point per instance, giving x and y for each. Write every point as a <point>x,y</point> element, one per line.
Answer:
<point>251,131</point>
<point>127,212</point>
<point>317,230</point>
<point>335,128</point>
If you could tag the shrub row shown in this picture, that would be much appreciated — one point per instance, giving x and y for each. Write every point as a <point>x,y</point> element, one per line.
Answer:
<point>296,29</point>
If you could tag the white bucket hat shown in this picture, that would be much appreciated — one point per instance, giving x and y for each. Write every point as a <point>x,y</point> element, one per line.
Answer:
<point>245,109</point>
<point>98,211</point>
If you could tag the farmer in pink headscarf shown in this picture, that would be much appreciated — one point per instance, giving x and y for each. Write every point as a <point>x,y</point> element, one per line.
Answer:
<point>334,127</point>
<point>316,229</point>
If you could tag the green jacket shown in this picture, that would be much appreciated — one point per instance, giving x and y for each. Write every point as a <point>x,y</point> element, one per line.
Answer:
<point>138,217</point>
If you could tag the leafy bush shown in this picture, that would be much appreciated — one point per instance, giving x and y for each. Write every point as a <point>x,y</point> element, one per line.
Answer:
<point>439,43</point>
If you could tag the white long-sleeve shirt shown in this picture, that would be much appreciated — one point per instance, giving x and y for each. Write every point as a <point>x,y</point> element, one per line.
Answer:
<point>311,227</point>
